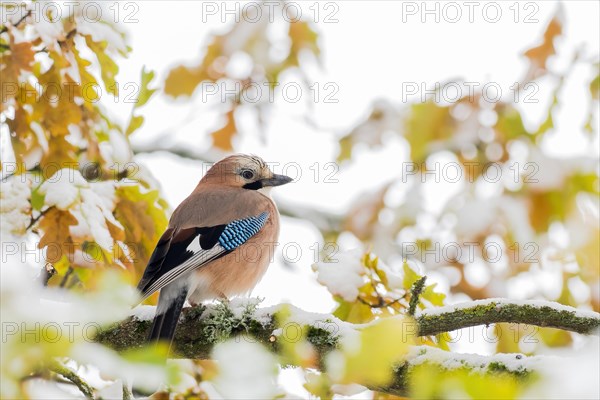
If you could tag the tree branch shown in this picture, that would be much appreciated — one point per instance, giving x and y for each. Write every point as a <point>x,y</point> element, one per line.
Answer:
<point>72,376</point>
<point>5,28</point>
<point>200,328</point>
<point>181,151</point>
<point>484,312</point>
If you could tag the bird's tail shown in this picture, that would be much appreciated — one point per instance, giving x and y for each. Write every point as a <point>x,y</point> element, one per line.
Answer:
<point>172,297</point>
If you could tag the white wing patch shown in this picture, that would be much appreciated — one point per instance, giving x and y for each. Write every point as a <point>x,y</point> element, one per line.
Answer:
<point>194,245</point>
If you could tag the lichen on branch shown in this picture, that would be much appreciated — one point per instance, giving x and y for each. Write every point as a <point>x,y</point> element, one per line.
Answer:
<point>201,327</point>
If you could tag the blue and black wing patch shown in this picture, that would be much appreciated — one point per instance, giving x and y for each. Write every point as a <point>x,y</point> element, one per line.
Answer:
<point>239,231</point>
<point>180,252</point>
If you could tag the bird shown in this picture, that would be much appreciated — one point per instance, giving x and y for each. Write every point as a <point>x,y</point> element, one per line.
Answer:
<point>218,243</point>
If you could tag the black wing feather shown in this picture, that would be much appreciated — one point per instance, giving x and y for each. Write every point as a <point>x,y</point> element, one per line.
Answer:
<point>171,250</point>
<point>210,236</point>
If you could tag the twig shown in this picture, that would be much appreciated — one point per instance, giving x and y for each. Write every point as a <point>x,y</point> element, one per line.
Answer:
<point>65,278</point>
<point>36,219</point>
<point>415,292</point>
<point>5,28</point>
<point>178,150</point>
<point>69,374</point>
<point>382,303</point>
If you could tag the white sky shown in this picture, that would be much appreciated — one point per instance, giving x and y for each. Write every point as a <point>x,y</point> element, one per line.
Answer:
<point>369,54</point>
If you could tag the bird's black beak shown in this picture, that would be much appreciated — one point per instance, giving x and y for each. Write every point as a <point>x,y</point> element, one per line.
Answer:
<point>276,180</point>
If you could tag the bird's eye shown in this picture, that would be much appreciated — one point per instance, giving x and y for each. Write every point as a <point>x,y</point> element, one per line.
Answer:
<point>247,174</point>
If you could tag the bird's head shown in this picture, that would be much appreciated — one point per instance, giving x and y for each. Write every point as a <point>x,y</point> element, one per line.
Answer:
<point>244,171</point>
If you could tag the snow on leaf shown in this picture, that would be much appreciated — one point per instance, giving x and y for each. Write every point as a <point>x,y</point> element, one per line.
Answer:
<point>90,205</point>
<point>62,188</point>
<point>246,371</point>
<point>96,211</point>
<point>102,31</point>
<point>15,207</point>
<point>343,278</point>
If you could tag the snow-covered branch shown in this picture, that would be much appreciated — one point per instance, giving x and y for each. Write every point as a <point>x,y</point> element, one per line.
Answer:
<point>483,312</point>
<point>201,327</point>
<point>73,377</point>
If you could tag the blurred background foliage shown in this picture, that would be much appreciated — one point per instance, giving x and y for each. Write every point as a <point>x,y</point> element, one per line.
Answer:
<point>71,184</point>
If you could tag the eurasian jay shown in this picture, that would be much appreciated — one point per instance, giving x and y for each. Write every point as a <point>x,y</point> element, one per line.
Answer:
<point>219,241</point>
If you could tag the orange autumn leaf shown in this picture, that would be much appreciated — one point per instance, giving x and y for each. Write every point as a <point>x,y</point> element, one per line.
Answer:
<point>22,55</point>
<point>57,236</point>
<point>222,137</point>
<point>539,55</point>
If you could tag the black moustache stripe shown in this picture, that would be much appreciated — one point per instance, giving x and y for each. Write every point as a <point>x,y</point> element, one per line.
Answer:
<point>253,185</point>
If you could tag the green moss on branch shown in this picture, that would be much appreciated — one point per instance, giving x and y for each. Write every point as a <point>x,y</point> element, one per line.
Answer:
<point>198,332</point>
<point>495,312</point>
